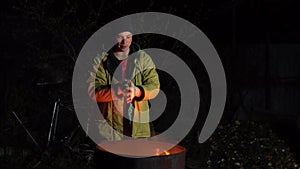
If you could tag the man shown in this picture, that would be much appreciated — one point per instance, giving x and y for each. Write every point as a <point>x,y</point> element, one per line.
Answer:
<point>123,82</point>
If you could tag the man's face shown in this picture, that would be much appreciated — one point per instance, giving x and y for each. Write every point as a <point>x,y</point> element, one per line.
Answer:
<point>124,40</point>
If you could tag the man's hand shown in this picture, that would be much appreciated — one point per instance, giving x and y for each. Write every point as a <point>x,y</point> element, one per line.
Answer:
<point>128,90</point>
<point>132,91</point>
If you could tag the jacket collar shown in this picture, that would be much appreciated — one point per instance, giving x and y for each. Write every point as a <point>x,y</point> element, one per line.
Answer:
<point>113,62</point>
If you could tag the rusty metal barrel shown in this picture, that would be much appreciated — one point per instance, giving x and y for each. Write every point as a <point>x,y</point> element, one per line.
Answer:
<point>157,156</point>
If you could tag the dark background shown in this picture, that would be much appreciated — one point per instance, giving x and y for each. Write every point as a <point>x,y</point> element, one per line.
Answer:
<point>257,41</point>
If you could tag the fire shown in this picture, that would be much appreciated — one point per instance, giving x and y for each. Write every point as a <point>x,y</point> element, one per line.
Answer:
<point>158,152</point>
<point>167,153</point>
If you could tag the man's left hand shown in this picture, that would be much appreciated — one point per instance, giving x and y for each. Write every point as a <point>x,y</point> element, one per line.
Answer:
<point>132,91</point>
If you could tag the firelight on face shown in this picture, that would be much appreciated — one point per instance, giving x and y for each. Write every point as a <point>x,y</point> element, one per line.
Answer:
<point>124,40</point>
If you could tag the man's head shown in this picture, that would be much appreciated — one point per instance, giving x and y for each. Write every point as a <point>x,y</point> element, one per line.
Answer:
<point>124,40</point>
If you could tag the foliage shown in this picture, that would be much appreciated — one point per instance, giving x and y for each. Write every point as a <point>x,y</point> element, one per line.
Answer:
<point>242,144</point>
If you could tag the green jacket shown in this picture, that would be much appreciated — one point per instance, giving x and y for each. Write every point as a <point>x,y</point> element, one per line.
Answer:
<point>141,70</point>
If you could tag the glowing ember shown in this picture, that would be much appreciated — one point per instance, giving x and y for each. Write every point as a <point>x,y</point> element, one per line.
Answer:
<point>158,152</point>
<point>167,153</point>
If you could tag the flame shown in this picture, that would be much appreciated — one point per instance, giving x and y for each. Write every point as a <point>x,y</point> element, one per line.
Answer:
<point>167,153</point>
<point>158,152</point>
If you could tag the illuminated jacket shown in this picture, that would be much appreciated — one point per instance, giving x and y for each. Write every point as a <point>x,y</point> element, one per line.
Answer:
<point>142,73</point>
